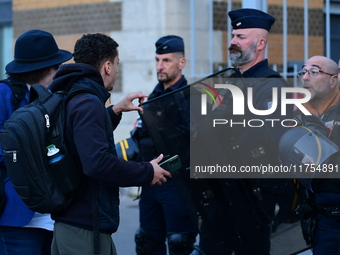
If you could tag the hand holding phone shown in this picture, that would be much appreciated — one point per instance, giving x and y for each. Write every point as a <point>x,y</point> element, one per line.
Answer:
<point>172,164</point>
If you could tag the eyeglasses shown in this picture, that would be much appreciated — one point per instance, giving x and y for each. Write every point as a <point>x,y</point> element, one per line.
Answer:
<point>313,72</point>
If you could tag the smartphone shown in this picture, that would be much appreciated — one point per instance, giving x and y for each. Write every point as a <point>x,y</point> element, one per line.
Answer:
<point>172,164</point>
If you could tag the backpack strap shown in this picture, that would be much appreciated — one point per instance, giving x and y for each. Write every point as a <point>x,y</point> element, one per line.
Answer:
<point>95,216</point>
<point>19,90</point>
<point>2,189</point>
<point>39,91</point>
<point>93,183</point>
<point>75,91</point>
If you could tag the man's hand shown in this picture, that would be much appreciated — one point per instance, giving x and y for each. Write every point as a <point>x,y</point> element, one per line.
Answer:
<point>126,105</point>
<point>159,173</point>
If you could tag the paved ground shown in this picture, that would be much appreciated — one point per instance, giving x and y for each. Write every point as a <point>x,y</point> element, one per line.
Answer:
<point>124,237</point>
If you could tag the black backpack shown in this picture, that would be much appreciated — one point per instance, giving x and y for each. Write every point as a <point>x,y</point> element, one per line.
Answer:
<point>19,90</point>
<point>43,187</point>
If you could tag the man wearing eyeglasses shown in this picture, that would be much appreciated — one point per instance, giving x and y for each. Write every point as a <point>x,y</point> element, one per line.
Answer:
<point>320,76</point>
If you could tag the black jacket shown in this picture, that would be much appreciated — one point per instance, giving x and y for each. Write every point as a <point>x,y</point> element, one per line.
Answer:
<point>263,94</point>
<point>89,136</point>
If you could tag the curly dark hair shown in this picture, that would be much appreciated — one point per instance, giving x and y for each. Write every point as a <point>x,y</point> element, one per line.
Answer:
<point>95,49</point>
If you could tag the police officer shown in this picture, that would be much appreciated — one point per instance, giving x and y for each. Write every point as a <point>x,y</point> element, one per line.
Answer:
<point>320,76</point>
<point>163,215</point>
<point>242,225</point>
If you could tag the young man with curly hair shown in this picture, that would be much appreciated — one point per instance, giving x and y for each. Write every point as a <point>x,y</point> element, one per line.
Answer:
<point>85,227</point>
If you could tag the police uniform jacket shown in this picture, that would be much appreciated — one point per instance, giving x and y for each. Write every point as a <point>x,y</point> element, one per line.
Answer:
<point>262,93</point>
<point>146,146</point>
<point>331,120</point>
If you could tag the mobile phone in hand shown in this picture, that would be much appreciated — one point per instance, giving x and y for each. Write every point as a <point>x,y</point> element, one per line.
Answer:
<point>172,164</point>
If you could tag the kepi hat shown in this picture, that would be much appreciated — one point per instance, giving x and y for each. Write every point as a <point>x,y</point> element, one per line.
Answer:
<point>169,43</point>
<point>34,50</point>
<point>250,18</point>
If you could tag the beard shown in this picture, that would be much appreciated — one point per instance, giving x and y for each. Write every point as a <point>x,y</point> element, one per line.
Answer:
<point>242,57</point>
<point>166,78</point>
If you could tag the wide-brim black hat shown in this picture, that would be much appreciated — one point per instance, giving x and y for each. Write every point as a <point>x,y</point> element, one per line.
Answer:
<point>34,50</point>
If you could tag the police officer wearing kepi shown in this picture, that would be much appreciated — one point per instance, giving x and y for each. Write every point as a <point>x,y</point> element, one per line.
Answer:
<point>245,228</point>
<point>319,75</point>
<point>163,214</point>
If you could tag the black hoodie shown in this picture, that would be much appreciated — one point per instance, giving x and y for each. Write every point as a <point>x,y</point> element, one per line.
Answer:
<point>89,136</point>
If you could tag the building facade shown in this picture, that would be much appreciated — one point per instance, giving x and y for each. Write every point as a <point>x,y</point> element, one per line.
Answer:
<point>299,32</point>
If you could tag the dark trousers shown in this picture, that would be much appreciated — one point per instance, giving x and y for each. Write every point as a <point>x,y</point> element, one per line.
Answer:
<point>28,241</point>
<point>327,235</point>
<point>162,210</point>
<point>234,228</point>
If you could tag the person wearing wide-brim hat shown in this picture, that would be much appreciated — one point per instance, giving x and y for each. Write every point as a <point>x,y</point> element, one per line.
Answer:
<point>35,51</point>
<point>36,60</point>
